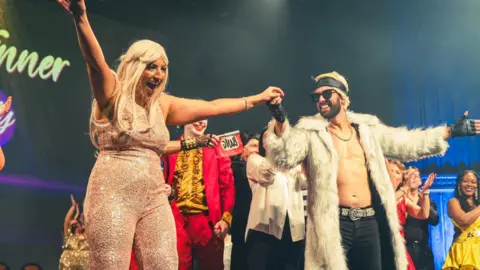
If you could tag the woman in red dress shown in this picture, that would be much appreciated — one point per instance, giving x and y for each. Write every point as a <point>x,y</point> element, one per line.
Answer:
<point>402,179</point>
<point>402,216</point>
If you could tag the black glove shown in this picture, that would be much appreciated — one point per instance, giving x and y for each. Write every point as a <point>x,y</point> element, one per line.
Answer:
<point>463,127</point>
<point>277,112</point>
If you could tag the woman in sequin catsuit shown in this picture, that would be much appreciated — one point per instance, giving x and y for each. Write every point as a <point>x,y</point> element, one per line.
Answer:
<point>126,203</point>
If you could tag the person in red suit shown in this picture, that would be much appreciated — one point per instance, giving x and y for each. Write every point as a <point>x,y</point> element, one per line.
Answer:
<point>204,196</point>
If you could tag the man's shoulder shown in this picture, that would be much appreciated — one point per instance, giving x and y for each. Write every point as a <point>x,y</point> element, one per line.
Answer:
<point>317,122</point>
<point>314,122</point>
<point>363,118</point>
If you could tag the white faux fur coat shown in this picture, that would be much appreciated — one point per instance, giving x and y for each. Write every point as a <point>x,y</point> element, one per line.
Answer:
<point>310,143</point>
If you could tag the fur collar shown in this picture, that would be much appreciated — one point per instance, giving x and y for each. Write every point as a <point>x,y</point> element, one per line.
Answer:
<point>317,122</point>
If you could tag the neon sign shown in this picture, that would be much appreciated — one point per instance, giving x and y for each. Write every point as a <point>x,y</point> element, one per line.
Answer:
<point>7,122</point>
<point>49,67</point>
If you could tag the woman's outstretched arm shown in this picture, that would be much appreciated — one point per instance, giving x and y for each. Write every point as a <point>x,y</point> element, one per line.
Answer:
<point>102,80</point>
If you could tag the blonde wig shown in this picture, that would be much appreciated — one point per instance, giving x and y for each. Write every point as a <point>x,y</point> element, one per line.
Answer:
<point>336,76</point>
<point>132,64</point>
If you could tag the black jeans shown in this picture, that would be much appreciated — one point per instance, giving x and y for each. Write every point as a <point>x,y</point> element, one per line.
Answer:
<point>422,255</point>
<point>361,242</point>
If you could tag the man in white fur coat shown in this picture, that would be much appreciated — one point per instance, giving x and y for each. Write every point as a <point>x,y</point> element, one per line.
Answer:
<point>352,213</point>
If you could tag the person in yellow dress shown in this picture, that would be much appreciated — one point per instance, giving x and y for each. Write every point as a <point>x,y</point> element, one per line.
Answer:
<point>75,246</point>
<point>464,210</point>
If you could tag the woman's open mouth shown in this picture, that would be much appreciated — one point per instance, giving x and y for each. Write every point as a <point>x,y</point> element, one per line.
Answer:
<point>152,85</point>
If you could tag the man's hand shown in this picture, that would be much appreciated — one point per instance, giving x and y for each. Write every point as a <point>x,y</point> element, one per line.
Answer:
<point>462,127</point>
<point>279,127</point>
<point>221,229</point>
<point>276,110</point>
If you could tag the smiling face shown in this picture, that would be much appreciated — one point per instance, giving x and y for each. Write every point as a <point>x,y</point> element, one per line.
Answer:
<point>196,129</point>
<point>329,102</point>
<point>396,173</point>
<point>413,179</point>
<point>152,77</point>
<point>469,184</point>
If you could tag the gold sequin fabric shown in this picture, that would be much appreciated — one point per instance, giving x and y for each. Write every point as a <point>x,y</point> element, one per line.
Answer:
<point>126,204</point>
<point>189,185</point>
<point>75,252</point>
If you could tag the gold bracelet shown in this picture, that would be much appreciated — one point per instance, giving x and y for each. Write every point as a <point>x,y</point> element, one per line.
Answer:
<point>426,192</point>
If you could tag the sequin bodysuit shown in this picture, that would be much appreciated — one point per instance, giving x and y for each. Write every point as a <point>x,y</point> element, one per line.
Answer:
<point>75,252</point>
<point>126,203</point>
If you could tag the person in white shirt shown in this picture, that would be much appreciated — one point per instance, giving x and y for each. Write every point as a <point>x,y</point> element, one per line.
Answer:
<point>276,223</point>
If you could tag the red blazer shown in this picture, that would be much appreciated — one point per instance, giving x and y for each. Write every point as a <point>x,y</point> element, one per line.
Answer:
<point>218,179</point>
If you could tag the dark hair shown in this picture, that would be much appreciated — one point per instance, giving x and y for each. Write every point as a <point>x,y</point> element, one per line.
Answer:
<point>255,136</point>
<point>459,194</point>
<point>4,264</point>
<point>247,136</point>
<point>31,264</point>
<point>261,147</point>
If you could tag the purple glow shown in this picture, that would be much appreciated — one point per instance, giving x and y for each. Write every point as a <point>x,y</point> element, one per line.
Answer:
<point>7,122</point>
<point>32,182</point>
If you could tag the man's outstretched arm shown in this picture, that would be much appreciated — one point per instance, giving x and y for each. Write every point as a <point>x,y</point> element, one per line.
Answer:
<point>411,145</point>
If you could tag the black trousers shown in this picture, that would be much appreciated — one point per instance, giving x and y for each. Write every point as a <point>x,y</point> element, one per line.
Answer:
<point>422,256</point>
<point>266,252</point>
<point>361,242</point>
<point>238,259</point>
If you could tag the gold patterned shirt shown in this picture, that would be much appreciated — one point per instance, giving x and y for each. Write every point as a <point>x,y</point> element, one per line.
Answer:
<point>188,182</point>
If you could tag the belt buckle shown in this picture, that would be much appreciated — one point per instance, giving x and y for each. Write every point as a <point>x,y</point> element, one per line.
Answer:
<point>355,214</point>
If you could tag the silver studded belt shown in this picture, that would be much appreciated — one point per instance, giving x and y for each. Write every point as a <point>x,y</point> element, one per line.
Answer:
<point>357,213</point>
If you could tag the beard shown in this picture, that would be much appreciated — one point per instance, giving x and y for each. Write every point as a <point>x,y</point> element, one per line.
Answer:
<point>334,110</point>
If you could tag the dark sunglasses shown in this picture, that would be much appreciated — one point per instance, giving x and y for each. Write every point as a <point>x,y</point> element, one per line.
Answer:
<point>327,94</point>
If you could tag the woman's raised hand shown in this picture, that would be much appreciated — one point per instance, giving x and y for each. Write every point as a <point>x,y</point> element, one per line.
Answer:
<point>74,8</point>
